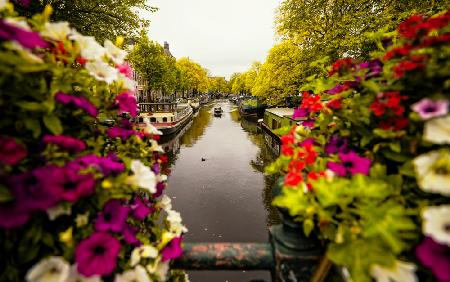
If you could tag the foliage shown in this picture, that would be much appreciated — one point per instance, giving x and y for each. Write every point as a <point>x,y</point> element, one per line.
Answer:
<point>193,77</point>
<point>369,163</point>
<point>78,195</point>
<point>218,85</point>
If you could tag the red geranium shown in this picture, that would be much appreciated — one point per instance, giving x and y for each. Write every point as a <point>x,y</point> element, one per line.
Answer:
<point>335,104</point>
<point>341,65</point>
<point>311,102</point>
<point>292,179</point>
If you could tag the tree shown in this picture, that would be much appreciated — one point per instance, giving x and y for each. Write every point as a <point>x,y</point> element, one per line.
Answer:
<point>218,84</point>
<point>103,19</point>
<point>193,77</point>
<point>238,86</point>
<point>250,76</point>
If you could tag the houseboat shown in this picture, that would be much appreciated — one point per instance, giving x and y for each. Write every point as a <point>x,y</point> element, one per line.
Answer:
<point>195,104</point>
<point>273,119</point>
<point>169,118</point>
<point>251,107</point>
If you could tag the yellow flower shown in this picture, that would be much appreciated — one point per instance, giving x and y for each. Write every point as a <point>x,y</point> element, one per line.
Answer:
<point>66,236</point>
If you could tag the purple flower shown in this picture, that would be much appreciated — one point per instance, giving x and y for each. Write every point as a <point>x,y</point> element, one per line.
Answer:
<point>156,168</point>
<point>72,184</point>
<point>337,89</point>
<point>375,67</point>
<point>336,145</point>
<point>107,165</point>
<point>436,257</point>
<point>113,217</point>
<point>77,102</point>
<point>307,142</point>
<point>97,254</point>
<point>300,113</point>
<point>351,163</point>
<point>28,39</point>
<point>428,108</point>
<point>129,235</point>
<point>126,70</point>
<point>73,145</point>
<point>127,103</point>
<point>173,249</point>
<point>124,132</point>
<point>140,209</point>
<point>160,186</point>
<point>11,152</point>
<point>308,123</point>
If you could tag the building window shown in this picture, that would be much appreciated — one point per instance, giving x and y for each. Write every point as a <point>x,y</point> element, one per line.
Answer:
<point>164,119</point>
<point>152,119</point>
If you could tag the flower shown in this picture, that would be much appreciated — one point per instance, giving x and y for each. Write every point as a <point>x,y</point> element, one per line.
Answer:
<point>138,274</point>
<point>400,272</point>
<point>435,256</point>
<point>174,219</point>
<point>12,215</point>
<point>3,4</point>
<point>428,108</point>
<point>308,123</point>
<point>406,66</point>
<point>58,31</point>
<point>437,130</point>
<point>71,184</point>
<point>97,254</point>
<point>159,189</point>
<point>145,251</point>
<point>433,172</point>
<point>126,70</point>
<point>159,268</point>
<point>28,39</point>
<point>388,100</point>
<point>311,102</point>
<point>106,165</point>
<point>74,276</point>
<point>113,217</point>
<point>73,145</point>
<point>293,179</point>
<point>139,209</point>
<point>116,54</point>
<point>51,269</point>
<point>11,152</point>
<point>150,129</point>
<point>351,163</point>
<point>58,210</point>
<point>129,235</point>
<point>338,89</point>
<point>127,103</point>
<point>336,144</point>
<point>102,71</point>
<point>165,203</point>
<point>335,104</point>
<point>436,223</point>
<point>78,102</point>
<point>172,250</point>
<point>143,176</point>
<point>90,49</point>
<point>300,113</point>
<point>125,83</point>
<point>341,65</point>
<point>124,131</point>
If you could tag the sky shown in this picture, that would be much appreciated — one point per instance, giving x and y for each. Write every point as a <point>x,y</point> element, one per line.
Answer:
<point>224,36</point>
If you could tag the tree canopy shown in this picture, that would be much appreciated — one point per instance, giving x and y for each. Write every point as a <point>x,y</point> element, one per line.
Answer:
<point>193,77</point>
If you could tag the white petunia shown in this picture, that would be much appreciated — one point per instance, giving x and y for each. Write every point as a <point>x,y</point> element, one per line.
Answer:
<point>90,49</point>
<point>165,203</point>
<point>436,222</point>
<point>102,71</point>
<point>58,210</point>
<point>145,251</point>
<point>433,172</point>
<point>175,221</point>
<point>150,129</point>
<point>155,147</point>
<point>116,54</point>
<point>437,130</point>
<point>51,269</point>
<point>159,268</point>
<point>143,176</point>
<point>75,276</point>
<point>82,219</point>
<point>138,274</point>
<point>3,4</point>
<point>126,83</point>
<point>401,272</point>
<point>59,31</point>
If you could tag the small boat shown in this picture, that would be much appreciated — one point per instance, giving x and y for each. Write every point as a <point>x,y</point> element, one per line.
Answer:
<point>218,111</point>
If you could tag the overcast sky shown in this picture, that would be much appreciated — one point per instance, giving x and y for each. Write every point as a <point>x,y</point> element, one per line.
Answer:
<point>224,36</point>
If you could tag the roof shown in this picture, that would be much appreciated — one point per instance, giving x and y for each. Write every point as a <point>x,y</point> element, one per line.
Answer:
<point>281,112</point>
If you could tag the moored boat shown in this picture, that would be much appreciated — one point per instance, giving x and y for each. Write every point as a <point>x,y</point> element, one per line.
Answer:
<point>218,111</point>
<point>251,107</point>
<point>276,118</point>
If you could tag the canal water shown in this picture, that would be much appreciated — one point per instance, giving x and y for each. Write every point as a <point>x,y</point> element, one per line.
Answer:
<point>218,185</point>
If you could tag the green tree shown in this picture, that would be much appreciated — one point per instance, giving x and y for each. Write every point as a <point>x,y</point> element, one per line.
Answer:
<point>218,84</point>
<point>193,77</point>
<point>238,86</point>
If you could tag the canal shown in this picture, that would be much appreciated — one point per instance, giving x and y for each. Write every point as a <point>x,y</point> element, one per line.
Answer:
<point>218,185</point>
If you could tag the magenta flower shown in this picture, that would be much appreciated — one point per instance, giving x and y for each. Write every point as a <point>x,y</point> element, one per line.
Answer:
<point>156,168</point>
<point>12,215</point>
<point>336,145</point>
<point>300,113</point>
<point>126,70</point>
<point>106,165</point>
<point>436,257</point>
<point>72,145</point>
<point>374,68</point>
<point>11,152</point>
<point>28,39</point>
<point>351,163</point>
<point>127,103</point>
<point>129,235</point>
<point>337,89</point>
<point>307,142</point>
<point>173,249</point>
<point>124,132</point>
<point>113,217</point>
<point>140,209</point>
<point>428,108</point>
<point>308,123</point>
<point>77,102</point>
<point>160,186</point>
<point>97,254</point>
<point>73,185</point>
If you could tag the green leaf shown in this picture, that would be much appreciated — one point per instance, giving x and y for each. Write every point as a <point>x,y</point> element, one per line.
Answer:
<point>308,226</point>
<point>294,200</point>
<point>372,86</point>
<point>5,195</point>
<point>396,147</point>
<point>34,126</point>
<point>53,124</point>
<point>31,106</point>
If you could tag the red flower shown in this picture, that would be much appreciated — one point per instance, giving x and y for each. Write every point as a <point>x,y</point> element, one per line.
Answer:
<point>296,166</point>
<point>341,65</point>
<point>394,123</point>
<point>82,61</point>
<point>308,153</point>
<point>286,150</point>
<point>287,139</point>
<point>406,66</point>
<point>312,175</point>
<point>335,104</point>
<point>398,52</point>
<point>292,179</point>
<point>163,159</point>
<point>389,100</point>
<point>411,27</point>
<point>311,102</point>
<point>11,152</point>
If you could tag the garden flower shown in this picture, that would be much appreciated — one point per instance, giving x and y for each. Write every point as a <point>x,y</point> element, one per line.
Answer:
<point>74,276</point>
<point>126,83</point>
<point>89,47</point>
<point>145,251</point>
<point>139,209</point>
<point>57,211</point>
<point>436,223</point>
<point>308,123</point>
<point>435,256</point>
<point>28,39</point>
<point>106,165</point>
<point>341,65</point>
<point>138,274</point>
<point>428,108</point>
<point>336,144</point>
<point>3,4</point>
<point>351,163</point>
<point>124,132</point>
<point>129,235</point>
<point>82,219</point>
<point>24,53</point>
<point>77,101</point>
<point>172,250</point>
<point>116,54</point>
<point>126,70</point>
<point>311,102</point>
<point>72,145</point>
<point>58,31</point>
<point>293,179</point>
<point>159,189</point>
<point>102,71</point>
<point>143,176</point>
<point>433,172</point>
<point>406,66</point>
<point>437,130</point>
<point>300,113</point>
<point>155,147</point>
<point>338,89</point>
<point>74,185</point>
<point>11,152</point>
<point>127,103</point>
<point>97,254</point>
<point>113,217</point>
<point>51,269</point>
<point>174,219</point>
<point>375,67</point>
<point>388,101</point>
<point>150,129</point>
<point>159,268</point>
<point>400,272</point>
<point>165,203</point>
<point>12,215</point>
<point>335,104</point>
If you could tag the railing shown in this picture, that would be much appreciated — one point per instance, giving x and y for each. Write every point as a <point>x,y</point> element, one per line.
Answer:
<point>289,255</point>
<point>157,107</point>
